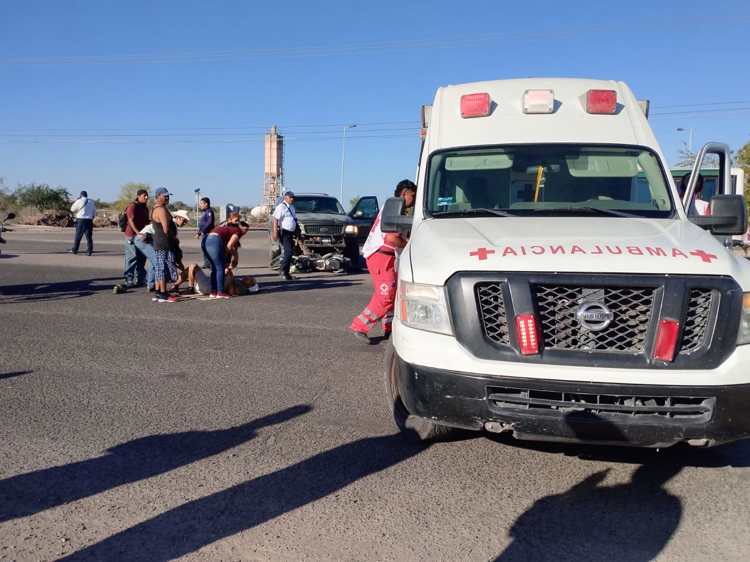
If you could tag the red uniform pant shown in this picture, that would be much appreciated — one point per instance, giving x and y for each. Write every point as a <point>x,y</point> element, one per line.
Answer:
<point>383,272</point>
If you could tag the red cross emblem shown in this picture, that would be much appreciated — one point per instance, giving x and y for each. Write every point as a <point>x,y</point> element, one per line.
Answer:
<point>481,253</point>
<point>708,258</point>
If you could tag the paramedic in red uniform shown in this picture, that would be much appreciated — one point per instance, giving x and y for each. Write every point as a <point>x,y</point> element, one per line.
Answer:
<point>381,250</point>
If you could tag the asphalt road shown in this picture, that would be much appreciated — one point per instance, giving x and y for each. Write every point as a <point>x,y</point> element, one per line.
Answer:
<point>256,429</point>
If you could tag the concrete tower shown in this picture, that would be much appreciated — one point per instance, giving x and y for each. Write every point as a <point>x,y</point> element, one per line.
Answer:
<point>273,180</point>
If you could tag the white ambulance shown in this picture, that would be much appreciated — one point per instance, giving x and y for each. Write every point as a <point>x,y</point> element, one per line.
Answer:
<point>553,286</point>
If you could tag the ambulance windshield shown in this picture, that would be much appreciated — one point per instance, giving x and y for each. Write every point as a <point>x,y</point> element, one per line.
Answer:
<point>548,179</point>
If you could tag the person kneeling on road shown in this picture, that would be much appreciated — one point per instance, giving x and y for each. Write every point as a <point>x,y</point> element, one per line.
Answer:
<point>380,251</point>
<point>221,242</point>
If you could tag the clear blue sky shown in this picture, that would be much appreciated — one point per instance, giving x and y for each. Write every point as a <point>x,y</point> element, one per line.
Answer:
<point>98,93</point>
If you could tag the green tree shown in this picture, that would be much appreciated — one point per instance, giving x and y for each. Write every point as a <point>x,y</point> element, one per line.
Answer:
<point>43,197</point>
<point>127,194</point>
<point>742,159</point>
<point>7,200</point>
<point>179,206</point>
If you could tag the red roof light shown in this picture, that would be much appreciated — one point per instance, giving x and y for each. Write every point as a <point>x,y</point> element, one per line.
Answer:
<point>601,101</point>
<point>475,105</point>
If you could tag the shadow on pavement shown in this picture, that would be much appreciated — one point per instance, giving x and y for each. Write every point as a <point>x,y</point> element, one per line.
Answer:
<point>630,522</point>
<point>300,284</point>
<point>13,374</point>
<point>135,460</point>
<point>198,523</point>
<point>54,291</point>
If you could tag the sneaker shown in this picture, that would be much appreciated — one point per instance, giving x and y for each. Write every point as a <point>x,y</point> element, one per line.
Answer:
<point>287,277</point>
<point>118,289</point>
<point>254,289</point>
<point>212,296</point>
<point>222,296</point>
<point>361,336</point>
<point>155,298</point>
<point>162,297</point>
<point>172,298</point>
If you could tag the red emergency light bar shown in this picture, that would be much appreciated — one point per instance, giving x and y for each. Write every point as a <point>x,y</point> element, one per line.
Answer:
<point>666,339</point>
<point>475,105</point>
<point>601,102</point>
<point>528,334</point>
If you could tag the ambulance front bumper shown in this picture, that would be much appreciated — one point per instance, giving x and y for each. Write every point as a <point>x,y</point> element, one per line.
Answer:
<point>440,380</point>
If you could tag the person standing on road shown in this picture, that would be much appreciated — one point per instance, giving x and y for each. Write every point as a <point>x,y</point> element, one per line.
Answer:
<point>165,235</point>
<point>221,243</point>
<point>206,223</point>
<point>283,227</point>
<point>381,250</point>
<point>84,211</point>
<point>136,254</point>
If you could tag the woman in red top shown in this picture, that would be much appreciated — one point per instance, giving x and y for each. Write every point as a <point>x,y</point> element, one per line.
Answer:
<point>220,243</point>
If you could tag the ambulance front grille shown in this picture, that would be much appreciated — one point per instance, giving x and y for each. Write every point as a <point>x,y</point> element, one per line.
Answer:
<point>492,311</point>
<point>696,320</point>
<point>627,333</point>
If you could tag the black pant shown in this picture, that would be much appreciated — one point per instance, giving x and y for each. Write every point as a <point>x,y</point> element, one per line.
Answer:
<point>84,227</point>
<point>286,241</point>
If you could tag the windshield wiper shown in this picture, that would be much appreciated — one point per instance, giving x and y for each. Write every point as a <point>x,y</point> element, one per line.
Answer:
<point>469,212</point>
<point>601,211</point>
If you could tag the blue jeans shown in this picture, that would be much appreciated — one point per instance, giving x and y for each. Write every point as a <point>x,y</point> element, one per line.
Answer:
<point>215,249</point>
<point>135,262</point>
<point>84,227</point>
<point>206,262</point>
<point>148,251</point>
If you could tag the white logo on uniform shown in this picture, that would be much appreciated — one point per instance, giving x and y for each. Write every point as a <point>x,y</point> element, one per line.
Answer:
<point>384,288</point>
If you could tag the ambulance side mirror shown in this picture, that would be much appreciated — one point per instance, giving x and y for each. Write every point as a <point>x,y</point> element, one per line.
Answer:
<point>392,219</point>
<point>728,216</point>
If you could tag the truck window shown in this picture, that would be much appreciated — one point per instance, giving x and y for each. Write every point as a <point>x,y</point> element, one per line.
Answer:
<point>318,204</point>
<point>530,179</point>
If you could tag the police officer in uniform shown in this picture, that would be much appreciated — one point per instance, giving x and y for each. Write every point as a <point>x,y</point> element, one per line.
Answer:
<point>283,227</point>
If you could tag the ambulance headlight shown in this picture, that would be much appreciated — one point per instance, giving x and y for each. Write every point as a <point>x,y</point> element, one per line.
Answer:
<point>743,336</point>
<point>351,229</point>
<point>423,307</point>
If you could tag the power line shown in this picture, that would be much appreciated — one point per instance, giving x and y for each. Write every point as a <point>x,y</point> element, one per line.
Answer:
<point>351,48</point>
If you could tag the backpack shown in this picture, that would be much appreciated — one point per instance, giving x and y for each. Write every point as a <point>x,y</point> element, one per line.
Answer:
<point>122,221</point>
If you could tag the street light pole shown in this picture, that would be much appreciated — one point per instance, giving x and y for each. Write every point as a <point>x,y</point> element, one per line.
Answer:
<point>690,137</point>
<point>343,153</point>
<point>197,191</point>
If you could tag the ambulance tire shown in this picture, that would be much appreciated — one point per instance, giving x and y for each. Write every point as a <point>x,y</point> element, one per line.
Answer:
<point>414,428</point>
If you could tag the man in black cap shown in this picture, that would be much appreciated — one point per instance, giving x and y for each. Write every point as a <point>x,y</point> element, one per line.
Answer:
<point>283,226</point>
<point>84,211</point>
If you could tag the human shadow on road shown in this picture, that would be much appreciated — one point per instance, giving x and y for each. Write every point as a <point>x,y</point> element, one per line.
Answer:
<point>135,460</point>
<point>193,525</point>
<point>630,522</point>
<point>54,291</point>
<point>13,374</point>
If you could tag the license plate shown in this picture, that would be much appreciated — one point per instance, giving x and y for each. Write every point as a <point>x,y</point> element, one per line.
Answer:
<point>325,240</point>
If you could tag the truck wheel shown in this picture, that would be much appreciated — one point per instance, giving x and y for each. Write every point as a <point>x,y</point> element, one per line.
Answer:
<point>412,427</point>
<point>274,257</point>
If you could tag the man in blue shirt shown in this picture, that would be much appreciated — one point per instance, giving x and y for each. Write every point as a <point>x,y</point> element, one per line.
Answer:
<point>205,225</point>
<point>283,226</point>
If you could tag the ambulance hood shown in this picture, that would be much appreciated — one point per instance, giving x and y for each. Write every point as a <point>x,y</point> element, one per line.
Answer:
<point>441,247</point>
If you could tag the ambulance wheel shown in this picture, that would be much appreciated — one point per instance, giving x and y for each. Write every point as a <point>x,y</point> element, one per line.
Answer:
<point>412,427</point>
